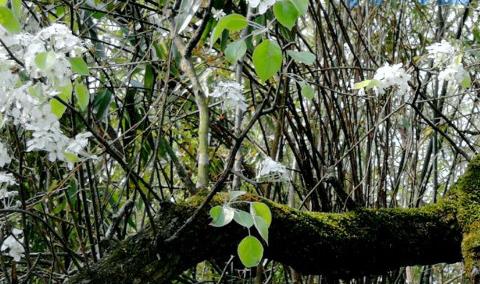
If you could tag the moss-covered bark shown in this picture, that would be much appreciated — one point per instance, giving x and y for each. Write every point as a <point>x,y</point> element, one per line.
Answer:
<point>354,243</point>
<point>466,196</point>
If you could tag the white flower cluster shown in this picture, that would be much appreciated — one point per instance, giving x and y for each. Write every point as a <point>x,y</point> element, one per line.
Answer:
<point>389,76</point>
<point>455,73</point>
<point>272,171</point>
<point>262,5</point>
<point>218,14</point>
<point>446,57</point>
<point>232,94</point>
<point>441,52</point>
<point>27,104</point>
<point>13,244</point>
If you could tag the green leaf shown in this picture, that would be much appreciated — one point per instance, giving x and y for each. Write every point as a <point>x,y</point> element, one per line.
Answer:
<point>243,218</point>
<point>101,102</point>
<point>267,59</point>
<point>250,251</point>
<point>17,8</point>
<point>83,96</point>
<point>262,210</point>
<point>9,21</point>
<point>3,3</point>
<point>58,109</point>
<point>305,57</point>
<point>65,93</point>
<point>221,215</point>
<point>286,13</point>
<point>235,51</point>
<point>149,79</point>
<point>261,226</point>
<point>466,82</point>
<point>232,22</point>
<point>301,6</point>
<point>45,60</point>
<point>307,91</point>
<point>71,157</point>
<point>365,84</point>
<point>234,194</point>
<point>79,66</point>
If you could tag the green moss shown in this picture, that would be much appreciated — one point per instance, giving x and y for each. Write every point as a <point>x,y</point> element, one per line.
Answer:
<point>465,195</point>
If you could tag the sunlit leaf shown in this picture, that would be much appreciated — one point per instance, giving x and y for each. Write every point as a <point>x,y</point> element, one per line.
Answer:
<point>267,59</point>
<point>235,51</point>
<point>243,218</point>
<point>83,96</point>
<point>9,21</point>
<point>286,13</point>
<point>302,56</point>
<point>250,251</point>
<point>262,210</point>
<point>232,22</point>
<point>79,66</point>
<point>221,215</point>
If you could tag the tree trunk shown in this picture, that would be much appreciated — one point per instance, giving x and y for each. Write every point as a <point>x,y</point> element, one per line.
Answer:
<point>343,245</point>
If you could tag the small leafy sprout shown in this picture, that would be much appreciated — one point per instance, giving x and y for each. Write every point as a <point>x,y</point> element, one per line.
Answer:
<point>250,249</point>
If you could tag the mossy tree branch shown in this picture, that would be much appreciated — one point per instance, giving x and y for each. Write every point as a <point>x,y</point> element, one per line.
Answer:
<point>354,243</point>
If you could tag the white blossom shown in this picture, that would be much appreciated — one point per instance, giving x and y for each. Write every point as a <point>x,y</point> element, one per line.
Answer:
<point>4,156</point>
<point>13,244</point>
<point>218,14</point>
<point>61,38</point>
<point>54,143</point>
<point>455,73</point>
<point>262,5</point>
<point>26,104</point>
<point>391,75</point>
<point>77,146</point>
<point>232,94</point>
<point>272,171</point>
<point>441,52</point>
<point>7,179</point>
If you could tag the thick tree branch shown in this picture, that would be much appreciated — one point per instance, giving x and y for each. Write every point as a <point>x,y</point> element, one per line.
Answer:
<point>354,243</point>
<point>345,244</point>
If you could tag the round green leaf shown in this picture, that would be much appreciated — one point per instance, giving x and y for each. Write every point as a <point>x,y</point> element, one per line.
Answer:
<point>267,59</point>
<point>221,215</point>
<point>262,210</point>
<point>302,56</point>
<point>235,51</point>
<point>243,218</point>
<point>286,13</point>
<point>232,22</point>
<point>9,21</point>
<point>307,91</point>
<point>250,251</point>
<point>45,60</point>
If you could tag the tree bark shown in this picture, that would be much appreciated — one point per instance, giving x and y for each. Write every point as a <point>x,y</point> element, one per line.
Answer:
<point>344,245</point>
